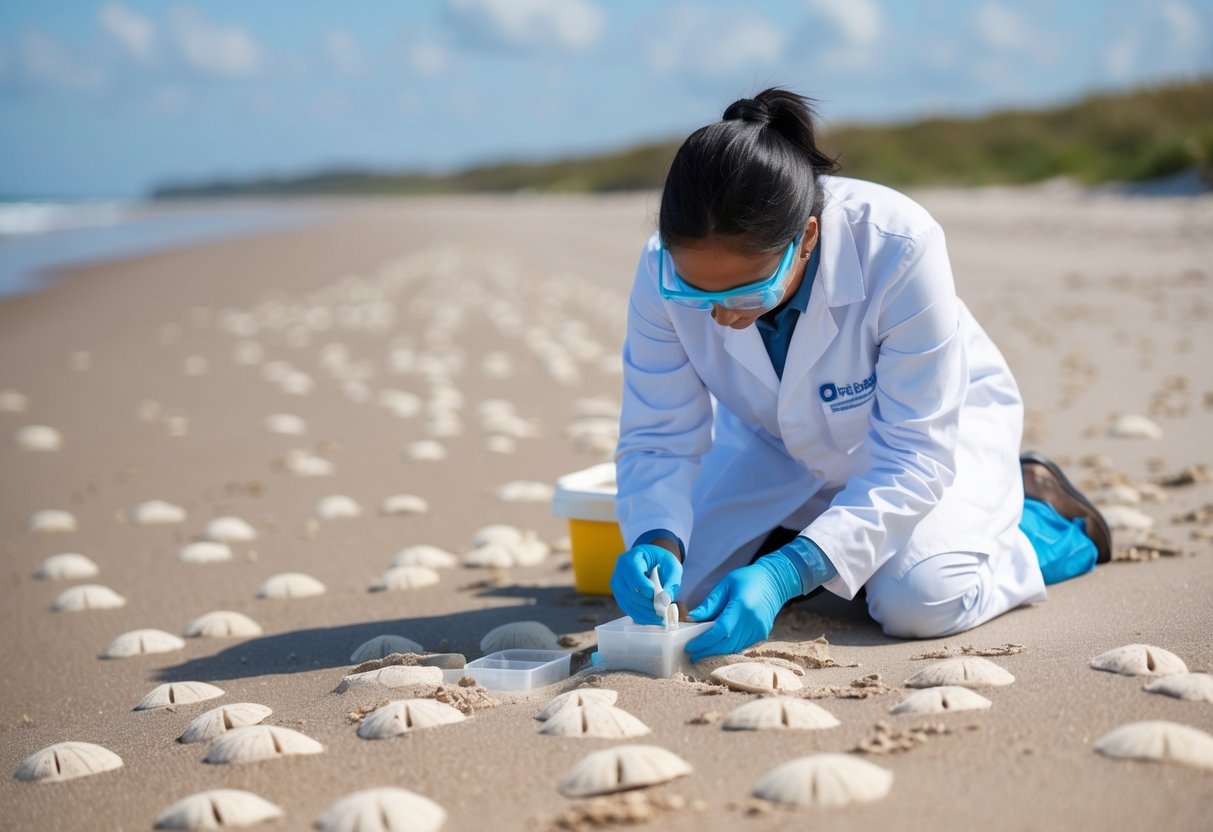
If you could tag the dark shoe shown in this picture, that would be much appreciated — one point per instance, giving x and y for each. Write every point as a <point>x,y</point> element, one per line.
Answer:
<point>1044,481</point>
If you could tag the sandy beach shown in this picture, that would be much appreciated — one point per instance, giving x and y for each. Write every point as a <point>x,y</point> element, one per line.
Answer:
<point>395,322</point>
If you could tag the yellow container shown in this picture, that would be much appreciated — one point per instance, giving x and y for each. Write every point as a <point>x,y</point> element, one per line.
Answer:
<point>587,499</point>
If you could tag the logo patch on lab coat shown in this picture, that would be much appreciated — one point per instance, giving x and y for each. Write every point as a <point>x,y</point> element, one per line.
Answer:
<point>847,396</point>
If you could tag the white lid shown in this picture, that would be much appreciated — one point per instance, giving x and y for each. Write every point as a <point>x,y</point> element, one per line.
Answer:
<point>587,495</point>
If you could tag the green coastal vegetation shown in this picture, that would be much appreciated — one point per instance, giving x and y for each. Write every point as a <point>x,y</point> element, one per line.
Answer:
<point>1134,136</point>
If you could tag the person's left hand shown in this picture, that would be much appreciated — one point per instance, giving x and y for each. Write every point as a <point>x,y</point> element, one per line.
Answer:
<point>744,605</point>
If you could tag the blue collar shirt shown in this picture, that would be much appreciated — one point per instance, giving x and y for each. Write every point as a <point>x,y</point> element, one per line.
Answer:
<point>776,326</point>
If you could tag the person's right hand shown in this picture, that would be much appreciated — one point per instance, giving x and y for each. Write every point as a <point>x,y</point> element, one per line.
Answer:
<point>632,587</point>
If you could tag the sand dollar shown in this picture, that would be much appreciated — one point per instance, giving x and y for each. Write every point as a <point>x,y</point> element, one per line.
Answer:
<point>828,780</point>
<point>576,698</point>
<point>287,585</point>
<point>622,767</point>
<point>51,521</point>
<point>87,597</point>
<point>38,438</point>
<point>519,635</point>
<point>286,424</point>
<point>383,646</point>
<point>757,677</point>
<point>177,693</point>
<point>778,713</point>
<point>218,809</point>
<point>259,742</point>
<point>405,578</point>
<point>1139,660</point>
<point>66,761</point>
<point>403,504</point>
<point>140,642</point>
<point>68,566</point>
<point>404,715</point>
<point>230,530</point>
<point>392,676</point>
<point>337,507</point>
<point>594,719</point>
<point>387,809</point>
<point>940,700</point>
<point>1159,740</point>
<point>1193,687</point>
<point>962,671</point>
<point>422,554</point>
<point>222,624</point>
<point>204,551</point>
<point>220,720</point>
<point>157,512</point>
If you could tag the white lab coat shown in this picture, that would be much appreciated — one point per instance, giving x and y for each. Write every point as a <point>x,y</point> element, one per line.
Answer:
<point>895,428</point>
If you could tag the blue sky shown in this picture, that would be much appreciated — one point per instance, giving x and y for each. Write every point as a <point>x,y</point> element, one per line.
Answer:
<point>111,98</point>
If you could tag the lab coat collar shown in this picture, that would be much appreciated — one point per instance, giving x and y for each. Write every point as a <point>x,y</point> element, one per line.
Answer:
<point>839,273</point>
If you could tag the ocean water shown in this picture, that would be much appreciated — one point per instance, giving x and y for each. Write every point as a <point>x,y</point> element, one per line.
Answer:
<point>37,236</point>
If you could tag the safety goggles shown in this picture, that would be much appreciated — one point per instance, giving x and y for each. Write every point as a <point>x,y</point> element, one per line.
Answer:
<point>761,294</point>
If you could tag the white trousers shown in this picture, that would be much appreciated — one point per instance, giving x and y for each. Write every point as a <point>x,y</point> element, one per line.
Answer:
<point>952,592</point>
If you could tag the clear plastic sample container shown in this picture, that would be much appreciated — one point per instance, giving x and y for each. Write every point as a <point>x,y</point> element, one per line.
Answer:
<point>647,648</point>
<point>519,669</point>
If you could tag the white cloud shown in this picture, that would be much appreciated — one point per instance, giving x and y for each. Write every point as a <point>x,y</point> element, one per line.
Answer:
<point>542,25</point>
<point>344,53</point>
<point>428,59</point>
<point>130,29</point>
<point>1184,27</point>
<point>706,45</point>
<point>857,29</point>
<point>43,60</point>
<point>1001,28</point>
<point>1169,40</point>
<point>213,48</point>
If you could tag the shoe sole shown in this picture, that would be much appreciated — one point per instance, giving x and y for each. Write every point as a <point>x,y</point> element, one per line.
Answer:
<point>1101,535</point>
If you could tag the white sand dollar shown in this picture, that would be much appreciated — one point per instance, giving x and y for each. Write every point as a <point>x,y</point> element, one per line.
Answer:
<point>259,742</point>
<point>306,464</point>
<point>392,676</point>
<point>757,677</point>
<point>1134,426</point>
<point>425,450</point>
<point>498,533</point>
<point>12,401</point>
<point>940,700</point>
<point>177,693</point>
<point>157,512</point>
<point>382,646</point>
<point>1127,518</point>
<point>827,780</point>
<point>1139,660</point>
<point>88,597</point>
<point>139,642</point>
<point>594,719</point>
<point>576,698</point>
<point>404,578</point>
<point>521,635</point>
<point>337,507</point>
<point>68,566</point>
<point>204,551</point>
<point>525,491</point>
<point>1159,740</point>
<point>218,809</point>
<point>387,809</point>
<point>492,556</point>
<point>622,767</point>
<point>66,761</point>
<point>286,424</point>
<point>498,444</point>
<point>38,438</point>
<point>422,554</point>
<point>403,504</point>
<point>218,721</point>
<point>780,712</point>
<point>1193,687</point>
<point>50,521</point>
<point>222,624</point>
<point>963,671</point>
<point>291,585</point>
<point>404,404</point>
<point>230,530</point>
<point>403,715</point>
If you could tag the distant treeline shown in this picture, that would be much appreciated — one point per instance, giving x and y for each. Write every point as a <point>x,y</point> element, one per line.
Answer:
<point>1134,136</point>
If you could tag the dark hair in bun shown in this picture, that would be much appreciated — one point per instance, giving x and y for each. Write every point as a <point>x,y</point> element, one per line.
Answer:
<point>752,175</point>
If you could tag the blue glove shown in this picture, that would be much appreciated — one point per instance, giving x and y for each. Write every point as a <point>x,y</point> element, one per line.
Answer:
<point>632,587</point>
<point>746,601</point>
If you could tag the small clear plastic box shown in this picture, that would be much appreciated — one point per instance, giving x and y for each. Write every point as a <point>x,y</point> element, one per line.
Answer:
<point>519,669</point>
<point>647,648</point>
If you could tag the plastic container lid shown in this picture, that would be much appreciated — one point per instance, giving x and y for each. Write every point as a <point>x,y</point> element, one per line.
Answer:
<point>587,495</point>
